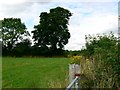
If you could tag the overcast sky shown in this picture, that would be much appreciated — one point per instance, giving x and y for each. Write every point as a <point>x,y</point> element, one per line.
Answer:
<point>89,16</point>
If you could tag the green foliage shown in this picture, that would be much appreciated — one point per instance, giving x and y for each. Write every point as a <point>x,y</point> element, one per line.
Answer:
<point>73,53</point>
<point>104,43</point>
<point>22,48</point>
<point>52,30</point>
<point>12,30</point>
<point>102,52</point>
<point>50,35</point>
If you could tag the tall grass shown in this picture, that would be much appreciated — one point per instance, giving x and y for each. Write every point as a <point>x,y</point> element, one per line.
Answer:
<point>95,75</point>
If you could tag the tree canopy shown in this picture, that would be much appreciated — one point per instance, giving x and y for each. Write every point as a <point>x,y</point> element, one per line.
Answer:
<point>52,30</point>
<point>12,30</point>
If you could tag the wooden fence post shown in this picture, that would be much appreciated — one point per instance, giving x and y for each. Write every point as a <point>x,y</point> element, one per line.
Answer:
<point>71,72</point>
<point>74,70</point>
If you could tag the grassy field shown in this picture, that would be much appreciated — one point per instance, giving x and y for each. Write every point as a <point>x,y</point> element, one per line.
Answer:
<point>0,72</point>
<point>34,72</point>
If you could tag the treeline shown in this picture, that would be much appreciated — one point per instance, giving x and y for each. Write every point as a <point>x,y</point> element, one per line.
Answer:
<point>49,36</point>
<point>31,51</point>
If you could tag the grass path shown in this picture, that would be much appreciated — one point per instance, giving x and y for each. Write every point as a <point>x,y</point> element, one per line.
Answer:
<point>34,72</point>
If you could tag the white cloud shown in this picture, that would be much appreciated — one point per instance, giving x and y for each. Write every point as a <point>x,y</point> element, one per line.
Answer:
<point>88,18</point>
<point>11,2</point>
<point>99,20</point>
<point>97,23</point>
<point>74,0</point>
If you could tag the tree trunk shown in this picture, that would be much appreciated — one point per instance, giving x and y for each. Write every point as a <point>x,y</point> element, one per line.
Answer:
<point>54,47</point>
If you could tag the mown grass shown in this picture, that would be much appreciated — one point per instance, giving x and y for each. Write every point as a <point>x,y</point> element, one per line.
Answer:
<point>34,72</point>
<point>0,72</point>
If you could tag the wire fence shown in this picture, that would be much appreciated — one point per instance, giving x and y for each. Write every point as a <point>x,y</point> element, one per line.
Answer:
<point>74,84</point>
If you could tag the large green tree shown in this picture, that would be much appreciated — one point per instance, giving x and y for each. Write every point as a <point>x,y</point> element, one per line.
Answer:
<point>52,30</point>
<point>12,30</point>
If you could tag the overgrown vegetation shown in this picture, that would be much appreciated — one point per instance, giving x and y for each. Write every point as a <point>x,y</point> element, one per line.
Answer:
<point>100,65</point>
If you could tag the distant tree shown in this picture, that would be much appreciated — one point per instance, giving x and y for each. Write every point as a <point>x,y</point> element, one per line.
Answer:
<point>23,48</point>
<point>12,30</point>
<point>52,29</point>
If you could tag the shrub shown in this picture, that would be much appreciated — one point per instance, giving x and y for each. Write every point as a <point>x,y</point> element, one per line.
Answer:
<point>75,59</point>
<point>103,66</point>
